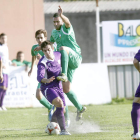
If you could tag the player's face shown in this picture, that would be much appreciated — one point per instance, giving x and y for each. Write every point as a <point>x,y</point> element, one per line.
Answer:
<point>20,57</point>
<point>40,38</point>
<point>3,40</point>
<point>57,23</point>
<point>48,51</point>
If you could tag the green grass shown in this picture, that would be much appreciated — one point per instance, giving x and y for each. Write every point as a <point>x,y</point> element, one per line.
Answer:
<point>113,119</point>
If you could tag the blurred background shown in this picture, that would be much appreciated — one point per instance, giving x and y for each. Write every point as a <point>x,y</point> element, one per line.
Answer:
<point>21,18</point>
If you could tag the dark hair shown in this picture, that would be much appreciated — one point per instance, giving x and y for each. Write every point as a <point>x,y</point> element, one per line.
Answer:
<point>18,53</point>
<point>45,43</point>
<point>2,34</point>
<point>56,15</point>
<point>40,31</point>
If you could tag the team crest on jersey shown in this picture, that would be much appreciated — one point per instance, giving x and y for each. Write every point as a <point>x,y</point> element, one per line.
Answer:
<point>60,35</point>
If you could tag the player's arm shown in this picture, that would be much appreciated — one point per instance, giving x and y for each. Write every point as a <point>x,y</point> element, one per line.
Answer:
<point>136,64</point>
<point>64,18</point>
<point>136,61</point>
<point>32,65</point>
<point>1,75</point>
<point>41,74</point>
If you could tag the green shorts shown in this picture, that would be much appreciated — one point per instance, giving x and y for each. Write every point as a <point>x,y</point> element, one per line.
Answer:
<point>38,86</point>
<point>74,62</point>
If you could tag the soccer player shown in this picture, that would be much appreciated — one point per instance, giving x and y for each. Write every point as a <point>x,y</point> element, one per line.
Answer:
<point>40,35</point>
<point>71,58</point>
<point>135,113</point>
<point>4,53</point>
<point>49,67</point>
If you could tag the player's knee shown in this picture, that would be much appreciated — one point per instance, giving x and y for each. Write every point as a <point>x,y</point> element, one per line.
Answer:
<point>38,95</point>
<point>62,48</point>
<point>59,102</point>
<point>66,90</point>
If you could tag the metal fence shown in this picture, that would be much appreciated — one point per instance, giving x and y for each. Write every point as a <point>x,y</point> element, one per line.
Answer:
<point>124,80</point>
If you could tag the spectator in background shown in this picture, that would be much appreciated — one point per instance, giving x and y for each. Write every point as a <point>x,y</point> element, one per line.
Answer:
<point>19,61</point>
<point>4,54</point>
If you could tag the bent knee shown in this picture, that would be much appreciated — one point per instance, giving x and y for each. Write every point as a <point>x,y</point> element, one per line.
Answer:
<point>62,48</point>
<point>59,102</point>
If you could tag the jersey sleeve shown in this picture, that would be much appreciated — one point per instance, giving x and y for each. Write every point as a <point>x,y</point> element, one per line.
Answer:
<point>52,39</point>
<point>137,56</point>
<point>32,51</point>
<point>27,63</point>
<point>66,30</point>
<point>40,72</point>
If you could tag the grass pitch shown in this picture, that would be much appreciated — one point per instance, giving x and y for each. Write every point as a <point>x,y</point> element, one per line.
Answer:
<point>100,122</point>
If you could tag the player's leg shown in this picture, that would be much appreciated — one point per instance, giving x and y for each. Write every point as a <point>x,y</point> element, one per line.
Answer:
<point>54,98</point>
<point>64,63</point>
<point>44,102</point>
<point>3,89</point>
<point>135,116</point>
<point>67,119</point>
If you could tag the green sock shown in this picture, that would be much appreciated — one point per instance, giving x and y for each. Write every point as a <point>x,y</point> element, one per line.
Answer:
<point>73,98</point>
<point>45,102</point>
<point>64,61</point>
<point>66,114</point>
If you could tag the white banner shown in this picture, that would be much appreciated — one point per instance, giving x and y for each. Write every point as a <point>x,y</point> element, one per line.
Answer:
<point>90,84</point>
<point>121,41</point>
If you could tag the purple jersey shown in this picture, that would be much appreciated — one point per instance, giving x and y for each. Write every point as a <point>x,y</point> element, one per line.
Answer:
<point>137,56</point>
<point>48,68</point>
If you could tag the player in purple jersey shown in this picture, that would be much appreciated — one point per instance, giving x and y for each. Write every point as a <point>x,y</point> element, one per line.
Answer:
<point>4,53</point>
<point>135,113</point>
<point>49,67</point>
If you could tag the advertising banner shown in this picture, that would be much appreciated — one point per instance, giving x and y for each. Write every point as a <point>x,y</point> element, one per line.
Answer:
<point>121,41</point>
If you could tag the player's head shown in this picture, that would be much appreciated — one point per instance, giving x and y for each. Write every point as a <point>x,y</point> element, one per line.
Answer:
<point>40,35</point>
<point>47,48</point>
<point>20,56</point>
<point>3,38</point>
<point>57,21</point>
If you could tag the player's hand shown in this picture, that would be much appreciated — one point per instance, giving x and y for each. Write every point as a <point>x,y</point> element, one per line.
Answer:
<point>37,48</point>
<point>60,11</point>
<point>1,78</point>
<point>14,64</point>
<point>50,79</point>
<point>29,73</point>
<point>38,56</point>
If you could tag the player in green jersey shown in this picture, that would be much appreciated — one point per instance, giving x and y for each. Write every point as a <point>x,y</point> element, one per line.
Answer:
<point>64,36</point>
<point>40,35</point>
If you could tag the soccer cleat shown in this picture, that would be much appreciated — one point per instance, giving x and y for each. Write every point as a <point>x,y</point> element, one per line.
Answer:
<point>136,137</point>
<point>67,123</point>
<point>4,108</point>
<point>79,113</point>
<point>1,109</point>
<point>50,113</point>
<point>64,132</point>
<point>62,77</point>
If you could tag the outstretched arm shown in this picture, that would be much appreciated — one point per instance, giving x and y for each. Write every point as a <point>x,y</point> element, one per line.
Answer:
<point>64,18</point>
<point>33,62</point>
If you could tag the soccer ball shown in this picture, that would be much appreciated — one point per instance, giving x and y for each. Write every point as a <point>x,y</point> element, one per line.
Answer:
<point>52,128</point>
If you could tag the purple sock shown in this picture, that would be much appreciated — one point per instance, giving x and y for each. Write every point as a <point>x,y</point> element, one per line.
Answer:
<point>135,115</point>
<point>54,118</point>
<point>60,117</point>
<point>2,94</point>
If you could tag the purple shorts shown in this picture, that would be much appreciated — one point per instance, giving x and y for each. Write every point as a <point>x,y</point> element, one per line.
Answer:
<point>5,81</point>
<point>52,93</point>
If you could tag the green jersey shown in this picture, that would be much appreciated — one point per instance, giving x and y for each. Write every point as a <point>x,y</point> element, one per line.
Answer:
<point>65,37</point>
<point>18,63</point>
<point>34,53</point>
